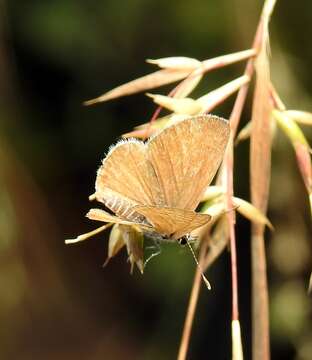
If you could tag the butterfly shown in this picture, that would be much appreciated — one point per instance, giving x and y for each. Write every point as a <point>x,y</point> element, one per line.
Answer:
<point>158,184</point>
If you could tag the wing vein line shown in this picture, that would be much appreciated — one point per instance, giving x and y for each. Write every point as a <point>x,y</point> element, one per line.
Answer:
<point>142,181</point>
<point>172,170</point>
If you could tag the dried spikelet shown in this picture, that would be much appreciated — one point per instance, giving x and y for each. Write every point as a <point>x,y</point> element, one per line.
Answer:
<point>237,349</point>
<point>176,63</point>
<point>183,107</point>
<point>301,117</point>
<point>228,59</point>
<point>88,234</point>
<point>213,192</point>
<point>216,209</point>
<point>186,86</point>
<point>189,84</point>
<point>134,241</point>
<point>174,70</point>
<point>148,129</point>
<point>186,106</point>
<point>116,242</point>
<point>301,147</point>
<point>260,164</point>
<point>147,82</point>
<point>261,135</point>
<point>290,128</point>
<point>215,197</point>
<point>140,133</point>
<point>305,166</point>
<point>251,212</point>
<point>179,106</point>
<point>244,133</point>
<point>215,97</point>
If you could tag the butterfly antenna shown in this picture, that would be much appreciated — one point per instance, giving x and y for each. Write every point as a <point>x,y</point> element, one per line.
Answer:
<point>205,280</point>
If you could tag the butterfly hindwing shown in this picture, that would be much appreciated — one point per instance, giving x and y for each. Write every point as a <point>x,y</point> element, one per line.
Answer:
<point>172,222</point>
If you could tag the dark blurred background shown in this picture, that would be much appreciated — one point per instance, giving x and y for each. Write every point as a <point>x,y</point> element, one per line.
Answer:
<point>56,301</point>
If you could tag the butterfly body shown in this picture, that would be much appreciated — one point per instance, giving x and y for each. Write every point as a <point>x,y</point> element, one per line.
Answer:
<point>157,185</point>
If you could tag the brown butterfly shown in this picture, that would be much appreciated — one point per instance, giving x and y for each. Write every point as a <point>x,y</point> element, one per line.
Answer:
<point>158,184</point>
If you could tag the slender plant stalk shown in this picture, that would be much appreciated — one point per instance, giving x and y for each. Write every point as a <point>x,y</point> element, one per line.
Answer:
<point>187,329</point>
<point>231,221</point>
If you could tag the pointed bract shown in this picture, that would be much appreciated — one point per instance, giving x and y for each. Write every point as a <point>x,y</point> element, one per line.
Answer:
<point>176,62</point>
<point>147,82</point>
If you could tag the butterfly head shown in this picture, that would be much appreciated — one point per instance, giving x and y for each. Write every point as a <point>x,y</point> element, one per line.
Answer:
<point>188,238</point>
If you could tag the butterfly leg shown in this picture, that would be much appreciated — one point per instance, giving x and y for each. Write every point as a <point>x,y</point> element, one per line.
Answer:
<point>156,247</point>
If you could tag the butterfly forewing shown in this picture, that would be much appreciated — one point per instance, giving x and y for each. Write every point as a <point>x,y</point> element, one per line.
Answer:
<point>126,178</point>
<point>186,157</point>
<point>172,222</point>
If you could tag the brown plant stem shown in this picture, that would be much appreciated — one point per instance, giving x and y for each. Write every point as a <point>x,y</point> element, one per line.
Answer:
<point>231,221</point>
<point>192,303</point>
